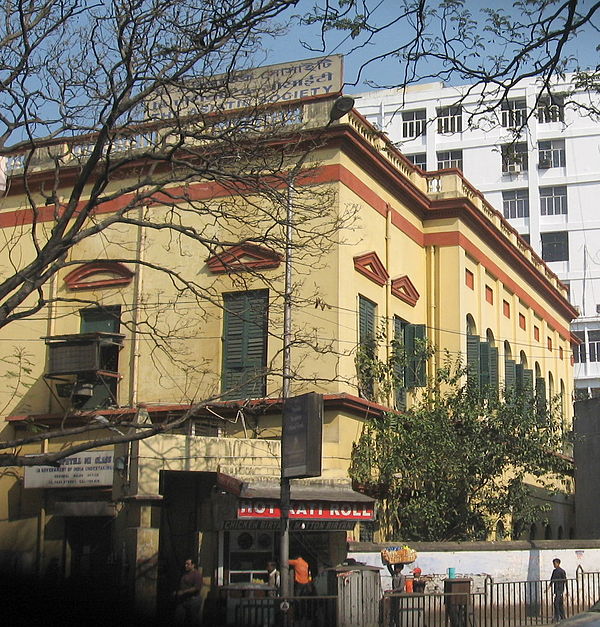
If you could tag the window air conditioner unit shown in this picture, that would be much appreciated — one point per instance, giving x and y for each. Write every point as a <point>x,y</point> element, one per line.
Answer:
<point>514,167</point>
<point>545,164</point>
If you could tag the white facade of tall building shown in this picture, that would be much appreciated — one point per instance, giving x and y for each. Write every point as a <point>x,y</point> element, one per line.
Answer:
<point>546,182</point>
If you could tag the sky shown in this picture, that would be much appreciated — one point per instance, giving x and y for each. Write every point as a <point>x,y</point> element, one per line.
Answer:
<point>302,42</point>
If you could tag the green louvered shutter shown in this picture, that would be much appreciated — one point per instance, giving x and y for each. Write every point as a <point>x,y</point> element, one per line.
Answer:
<point>528,381</point>
<point>540,395</point>
<point>398,365</point>
<point>510,375</point>
<point>366,337</point>
<point>494,377</point>
<point>519,385</point>
<point>473,365</point>
<point>484,365</point>
<point>366,321</point>
<point>414,340</point>
<point>245,344</point>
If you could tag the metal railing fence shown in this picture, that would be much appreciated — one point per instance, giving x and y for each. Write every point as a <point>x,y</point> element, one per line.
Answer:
<point>497,604</point>
<point>313,611</point>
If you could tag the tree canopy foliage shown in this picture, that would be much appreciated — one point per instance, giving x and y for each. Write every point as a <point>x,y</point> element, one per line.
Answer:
<point>490,48</point>
<point>126,105</point>
<point>460,460</point>
<point>124,101</point>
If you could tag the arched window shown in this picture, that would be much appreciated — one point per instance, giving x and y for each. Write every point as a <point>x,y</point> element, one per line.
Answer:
<point>540,389</point>
<point>560,533</point>
<point>500,535</point>
<point>482,359</point>
<point>548,533</point>
<point>532,531</point>
<point>471,326</point>
<point>523,359</point>
<point>510,368</point>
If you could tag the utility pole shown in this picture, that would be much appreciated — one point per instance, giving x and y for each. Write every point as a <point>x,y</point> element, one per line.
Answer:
<point>341,106</point>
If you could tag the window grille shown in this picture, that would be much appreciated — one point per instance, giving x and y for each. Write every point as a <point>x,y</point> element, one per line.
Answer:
<point>414,123</point>
<point>515,203</point>
<point>553,201</point>
<point>450,159</point>
<point>514,158</point>
<point>551,109</point>
<point>449,120</point>
<point>513,113</point>
<point>552,154</point>
<point>420,160</point>
<point>555,246</point>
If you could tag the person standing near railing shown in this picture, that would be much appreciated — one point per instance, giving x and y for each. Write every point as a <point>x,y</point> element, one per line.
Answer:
<point>274,578</point>
<point>302,580</point>
<point>558,582</point>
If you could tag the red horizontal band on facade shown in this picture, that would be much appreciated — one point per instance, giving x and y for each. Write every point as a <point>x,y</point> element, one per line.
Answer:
<point>456,238</point>
<point>417,203</point>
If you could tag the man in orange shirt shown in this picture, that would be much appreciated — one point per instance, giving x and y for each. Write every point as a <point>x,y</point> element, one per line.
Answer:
<point>302,581</point>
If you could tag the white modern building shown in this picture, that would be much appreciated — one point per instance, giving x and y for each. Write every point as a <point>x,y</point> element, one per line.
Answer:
<point>536,157</point>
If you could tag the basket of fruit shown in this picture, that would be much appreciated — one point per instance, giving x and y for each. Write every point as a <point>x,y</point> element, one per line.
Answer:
<point>398,555</point>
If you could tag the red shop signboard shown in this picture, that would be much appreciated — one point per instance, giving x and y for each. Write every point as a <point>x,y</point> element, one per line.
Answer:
<point>306,510</point>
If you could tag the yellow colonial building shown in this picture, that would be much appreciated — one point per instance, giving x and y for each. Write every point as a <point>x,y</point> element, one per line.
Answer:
<point>142,325</point>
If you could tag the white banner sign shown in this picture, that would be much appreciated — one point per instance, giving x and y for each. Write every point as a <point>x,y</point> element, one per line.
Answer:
<point>91,468</point>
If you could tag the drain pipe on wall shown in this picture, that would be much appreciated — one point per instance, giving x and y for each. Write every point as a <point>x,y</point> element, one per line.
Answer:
<point>41,521</point>
<point>134,357</point>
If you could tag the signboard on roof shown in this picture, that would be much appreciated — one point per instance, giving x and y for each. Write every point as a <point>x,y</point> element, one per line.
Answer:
<point>254,87</point>
<point>87,469</point>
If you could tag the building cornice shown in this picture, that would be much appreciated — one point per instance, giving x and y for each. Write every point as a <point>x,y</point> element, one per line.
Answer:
<point>343,402</point>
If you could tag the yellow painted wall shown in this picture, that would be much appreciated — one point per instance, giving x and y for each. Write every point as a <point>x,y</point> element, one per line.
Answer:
<point>184,366</point>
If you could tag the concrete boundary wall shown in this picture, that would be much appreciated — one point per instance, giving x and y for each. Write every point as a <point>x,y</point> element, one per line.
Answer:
<point>502,561</point>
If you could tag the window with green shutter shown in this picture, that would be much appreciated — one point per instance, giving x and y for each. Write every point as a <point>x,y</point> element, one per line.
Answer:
<point>510,374</point>
<point>367,312</point>
<point>399,363</point>
<point>415,337</point>
<point>367,339</point>
<point>245,325</point>
<point>494,382</point>
<point>473,360</point>
<point>540,395</point>
<point>482,364</point>
<point>523,380</point>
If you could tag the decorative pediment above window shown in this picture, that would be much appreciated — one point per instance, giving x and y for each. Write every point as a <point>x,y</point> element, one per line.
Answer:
<point>98,274</point>
<point>244,257</point>
<point>370,265</point>
<point>403,288</point>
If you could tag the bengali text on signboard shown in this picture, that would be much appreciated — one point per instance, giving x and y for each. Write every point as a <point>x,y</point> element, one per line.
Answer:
<point>256,86</point>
